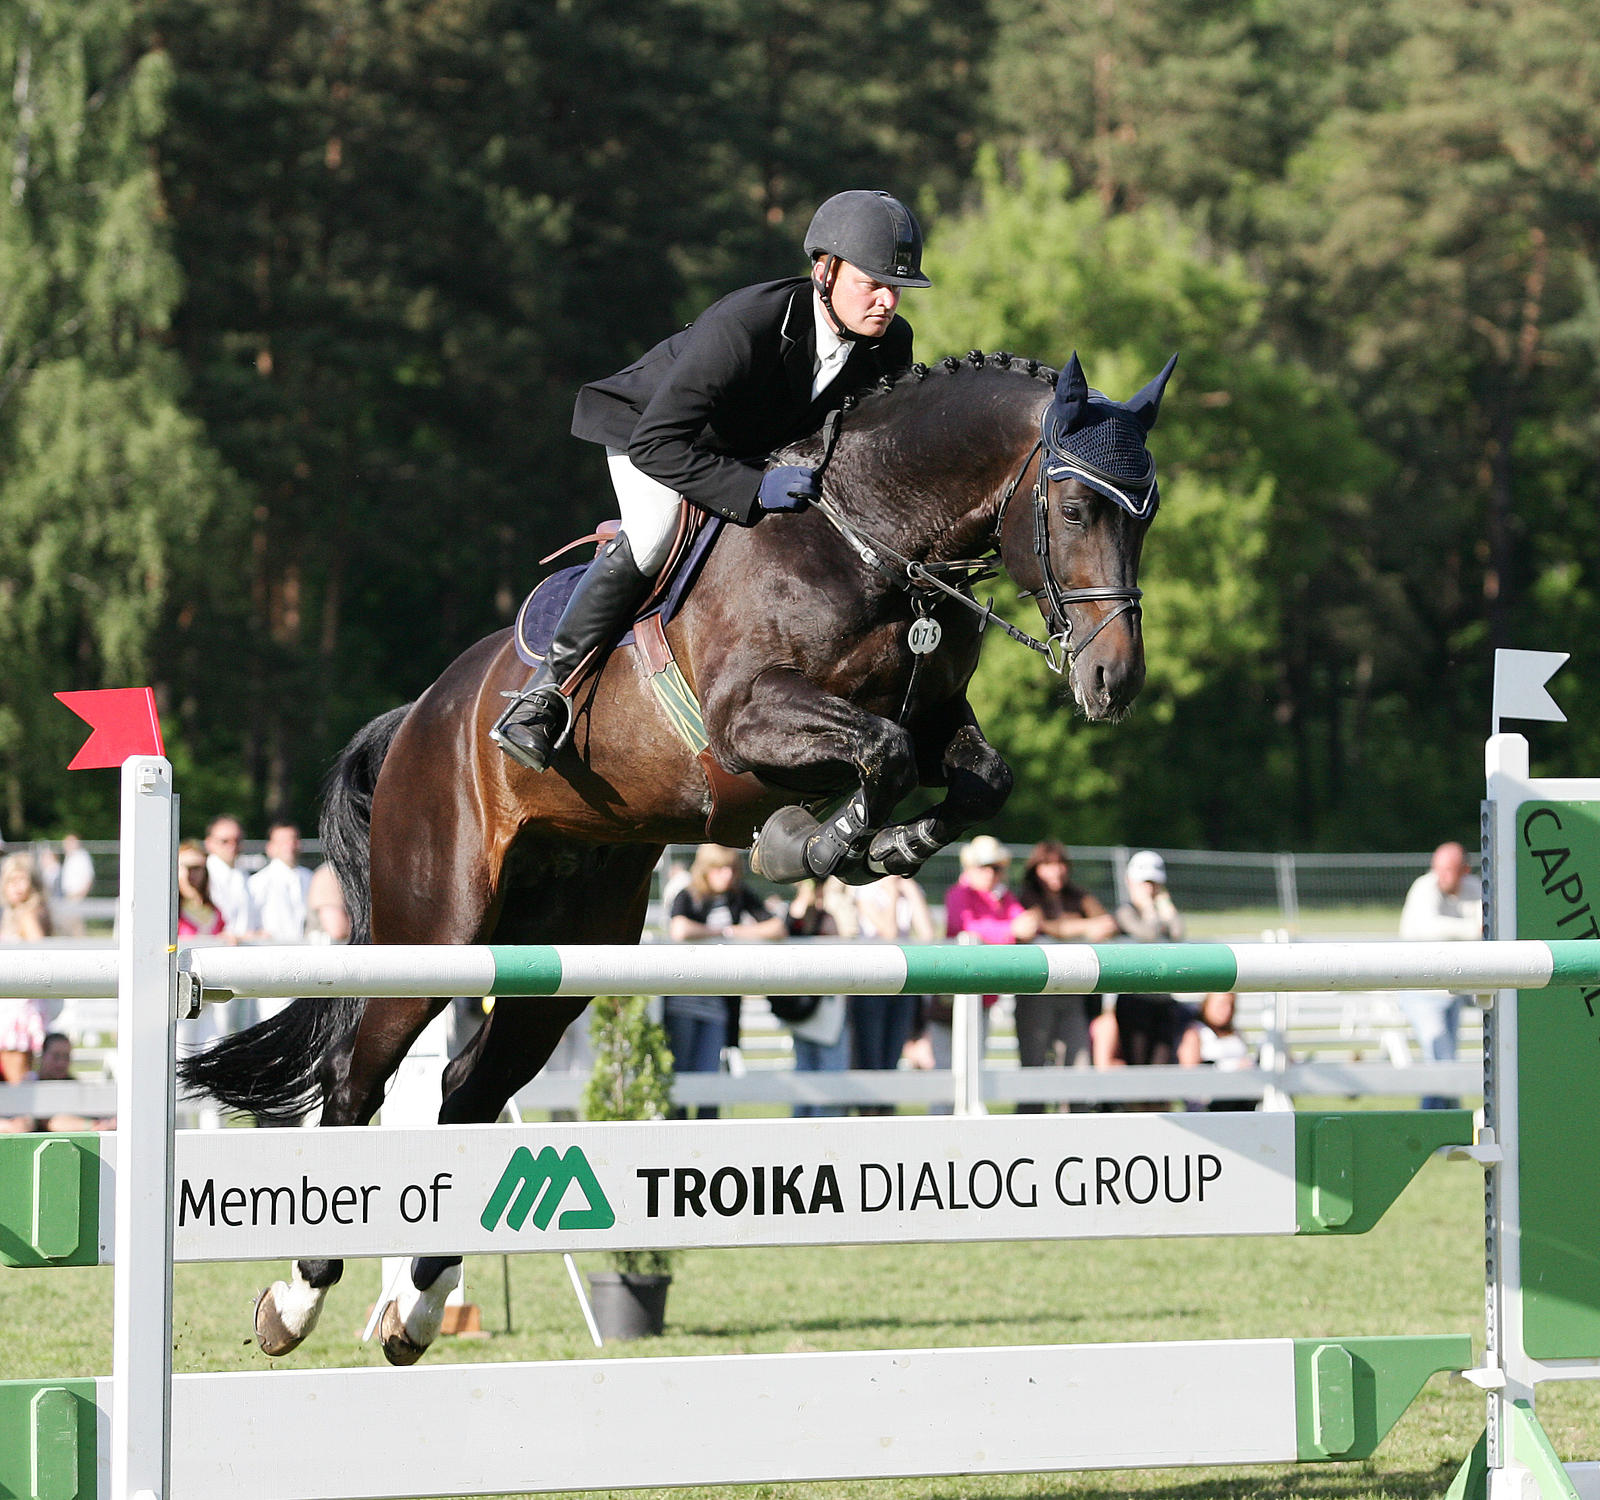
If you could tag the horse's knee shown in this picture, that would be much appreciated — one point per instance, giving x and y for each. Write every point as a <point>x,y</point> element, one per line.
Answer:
<point>888,766</point>
<point>978,778</point>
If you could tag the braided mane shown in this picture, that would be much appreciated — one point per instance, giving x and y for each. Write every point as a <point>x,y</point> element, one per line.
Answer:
<point>976,359</point>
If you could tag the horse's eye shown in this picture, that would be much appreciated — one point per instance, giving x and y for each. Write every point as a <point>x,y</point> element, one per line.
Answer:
<point>1071,512</point>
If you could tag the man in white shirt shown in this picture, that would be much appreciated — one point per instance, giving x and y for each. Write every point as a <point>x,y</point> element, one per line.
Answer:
<point>77,869</point>
<point>229,888</point>
<point>1443,906</point>
<point>279,888</point>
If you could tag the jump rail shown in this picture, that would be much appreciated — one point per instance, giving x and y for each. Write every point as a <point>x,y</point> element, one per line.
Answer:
<point>212,975</point>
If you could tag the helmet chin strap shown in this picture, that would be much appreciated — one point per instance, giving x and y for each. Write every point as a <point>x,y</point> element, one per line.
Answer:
<point>824,286</point>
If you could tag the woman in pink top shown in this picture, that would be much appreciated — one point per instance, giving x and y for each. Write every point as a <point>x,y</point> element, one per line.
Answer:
<point>198,915</point>
<point>979,903</point>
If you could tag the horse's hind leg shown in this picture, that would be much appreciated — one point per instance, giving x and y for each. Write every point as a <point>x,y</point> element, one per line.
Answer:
<point>595,895</point>
<point>513,1043</point>
<point>286,1312</point>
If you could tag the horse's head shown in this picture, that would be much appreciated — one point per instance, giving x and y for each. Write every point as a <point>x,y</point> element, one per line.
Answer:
<point>1076,546</point>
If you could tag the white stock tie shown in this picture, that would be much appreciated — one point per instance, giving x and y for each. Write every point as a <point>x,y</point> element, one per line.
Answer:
<point>828,367</point>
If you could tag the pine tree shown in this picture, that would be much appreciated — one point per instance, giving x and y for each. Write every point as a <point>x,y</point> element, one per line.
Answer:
<point>106,482</point>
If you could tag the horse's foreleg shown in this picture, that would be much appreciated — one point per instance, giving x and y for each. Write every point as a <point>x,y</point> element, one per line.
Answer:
<point>286,1312</point>
<point>792,732</point>
<point>978,782</point>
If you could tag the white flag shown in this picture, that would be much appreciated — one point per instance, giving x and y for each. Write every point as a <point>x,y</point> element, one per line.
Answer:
<point>1519,685</point>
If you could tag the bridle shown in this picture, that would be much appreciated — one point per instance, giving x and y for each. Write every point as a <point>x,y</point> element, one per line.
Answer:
<point>924,581</point>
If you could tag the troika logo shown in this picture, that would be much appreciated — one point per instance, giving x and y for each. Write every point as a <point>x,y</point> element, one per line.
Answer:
<point>540,1183</point>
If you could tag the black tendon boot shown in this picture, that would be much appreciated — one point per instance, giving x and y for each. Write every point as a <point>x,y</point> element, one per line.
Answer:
<point>539,719</point>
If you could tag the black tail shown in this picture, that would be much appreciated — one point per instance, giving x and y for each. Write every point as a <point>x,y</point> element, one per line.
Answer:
<point>275,1069</point>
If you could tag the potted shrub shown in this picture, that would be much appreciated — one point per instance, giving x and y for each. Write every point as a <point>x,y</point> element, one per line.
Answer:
<point>632,1080</point>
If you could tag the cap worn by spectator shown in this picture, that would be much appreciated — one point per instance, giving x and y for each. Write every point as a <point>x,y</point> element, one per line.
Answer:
<point>1147,865</point>
<point>983,851</point>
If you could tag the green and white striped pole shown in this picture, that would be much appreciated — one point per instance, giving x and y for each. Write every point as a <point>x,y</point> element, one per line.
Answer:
<point>881,968</point>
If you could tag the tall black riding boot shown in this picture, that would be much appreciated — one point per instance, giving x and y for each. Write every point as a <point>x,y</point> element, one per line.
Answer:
<point>539,719</point>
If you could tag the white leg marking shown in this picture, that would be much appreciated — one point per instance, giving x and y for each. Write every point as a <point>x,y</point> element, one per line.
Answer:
<point>299,1304</point>
<point>422,1312</point>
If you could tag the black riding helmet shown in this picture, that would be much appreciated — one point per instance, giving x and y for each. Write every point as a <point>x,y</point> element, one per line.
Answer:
<point>875,232</point>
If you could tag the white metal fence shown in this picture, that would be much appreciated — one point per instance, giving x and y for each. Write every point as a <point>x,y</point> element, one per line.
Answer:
<point>1279,890</point>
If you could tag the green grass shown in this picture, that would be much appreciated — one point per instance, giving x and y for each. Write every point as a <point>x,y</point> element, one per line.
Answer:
<point>1418,1272</point>
<point>1322,924</point>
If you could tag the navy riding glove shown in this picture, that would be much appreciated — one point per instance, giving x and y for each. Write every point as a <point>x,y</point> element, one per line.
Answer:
<point>788,487</point>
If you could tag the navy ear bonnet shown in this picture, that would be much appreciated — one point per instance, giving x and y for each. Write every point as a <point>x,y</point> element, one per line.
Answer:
<point>1096,440</point>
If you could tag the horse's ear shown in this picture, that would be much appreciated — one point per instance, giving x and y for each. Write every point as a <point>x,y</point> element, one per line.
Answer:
<point>1147,403</point>
<point>1072,395</point>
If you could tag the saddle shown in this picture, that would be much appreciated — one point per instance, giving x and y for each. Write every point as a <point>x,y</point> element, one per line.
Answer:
<point>536,619</point>
<point>729,794</point>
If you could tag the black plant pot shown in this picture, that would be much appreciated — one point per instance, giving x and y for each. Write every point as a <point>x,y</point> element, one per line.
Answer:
<point>628,1305</point>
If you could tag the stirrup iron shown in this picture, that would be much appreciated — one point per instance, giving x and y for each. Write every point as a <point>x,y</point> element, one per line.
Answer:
<point>519,697</point>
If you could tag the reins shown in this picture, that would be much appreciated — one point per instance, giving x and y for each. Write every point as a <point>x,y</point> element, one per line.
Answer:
<point>923,580</point>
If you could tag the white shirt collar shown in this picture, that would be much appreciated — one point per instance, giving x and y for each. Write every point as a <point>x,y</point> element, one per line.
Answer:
<point>829,345</point>
<point>832,351</point>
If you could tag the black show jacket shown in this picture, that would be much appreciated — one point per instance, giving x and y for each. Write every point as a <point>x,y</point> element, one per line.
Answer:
<point>704,409</point>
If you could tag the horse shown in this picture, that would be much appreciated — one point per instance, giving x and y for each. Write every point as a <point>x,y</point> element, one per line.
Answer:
<point>807,641</point>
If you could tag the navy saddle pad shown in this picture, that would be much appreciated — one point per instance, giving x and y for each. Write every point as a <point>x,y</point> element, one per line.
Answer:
<point>536,620</point>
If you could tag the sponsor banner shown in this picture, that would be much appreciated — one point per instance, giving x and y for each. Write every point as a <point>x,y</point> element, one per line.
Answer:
<point>1558,898</point>
<point>246,1195</point>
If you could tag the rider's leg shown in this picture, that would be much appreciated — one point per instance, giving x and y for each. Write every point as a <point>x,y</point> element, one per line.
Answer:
<point>600,609</point>
<point>649,511</point>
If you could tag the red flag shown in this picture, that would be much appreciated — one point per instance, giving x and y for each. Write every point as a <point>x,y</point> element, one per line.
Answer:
<point>124,722</point>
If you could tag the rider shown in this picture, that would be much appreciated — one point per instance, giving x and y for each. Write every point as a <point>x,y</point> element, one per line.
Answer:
<point>698,416</point>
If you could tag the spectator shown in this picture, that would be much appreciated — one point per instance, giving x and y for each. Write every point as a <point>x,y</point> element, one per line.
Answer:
<point>1443,906</point>
<point>24,918</point>
<point>892,910</point>
<point>675,878</point>
<point>980,904</point>
<point>714,904</point>
<point>1148,914</point>
<point>327,917</point>
<point>1212,1041</point>
<point>24,909</point>
<point>279,887</point>
<point>198,915</point>
<point>1143,1030</point>
<point>55,1066</point>
<point>230,890</point>
<point>1053,1030</point>
<point>73,882</point>
<point>77,870</point>
<point>819,1029</point>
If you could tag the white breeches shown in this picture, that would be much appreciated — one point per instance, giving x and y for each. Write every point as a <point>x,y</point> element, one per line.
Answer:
<point>649,511</point>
